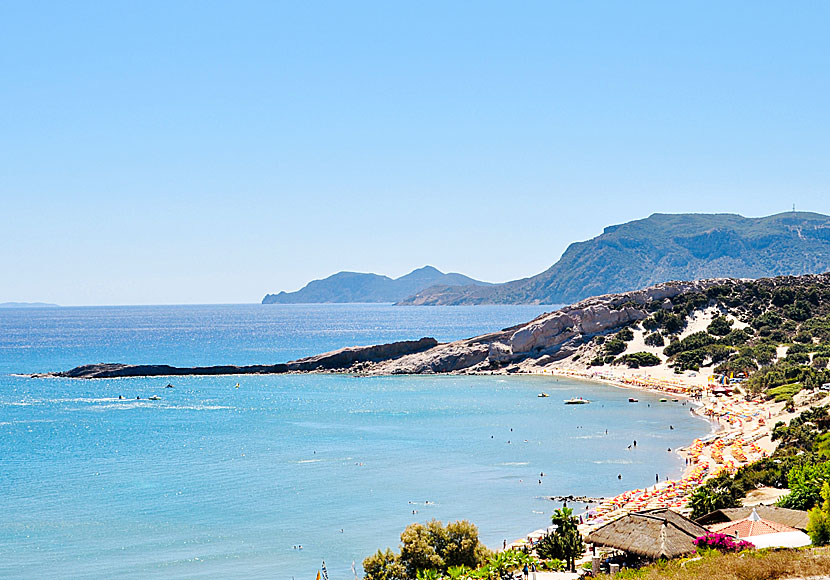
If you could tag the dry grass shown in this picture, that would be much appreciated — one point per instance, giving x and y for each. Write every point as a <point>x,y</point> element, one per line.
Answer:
<point>751,565</point>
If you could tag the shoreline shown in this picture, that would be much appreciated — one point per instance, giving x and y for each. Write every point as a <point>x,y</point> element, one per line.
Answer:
<point>706,457</point>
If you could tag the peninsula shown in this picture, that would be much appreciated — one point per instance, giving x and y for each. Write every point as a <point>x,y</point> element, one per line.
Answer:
<point>722,325</point>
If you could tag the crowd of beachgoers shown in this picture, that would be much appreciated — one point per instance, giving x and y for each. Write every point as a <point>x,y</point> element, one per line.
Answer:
<point>741,435</point>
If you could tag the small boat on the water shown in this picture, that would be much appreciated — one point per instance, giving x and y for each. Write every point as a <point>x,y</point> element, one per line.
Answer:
<point>168,386</point>
<point>577,401</point>
<point>633,400</point>
<point>543,395</point>
<point>154,398</point>
<point>664,400</point>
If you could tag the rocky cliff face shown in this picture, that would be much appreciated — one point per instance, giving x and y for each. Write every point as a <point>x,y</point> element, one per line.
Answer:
<point>547,338</point>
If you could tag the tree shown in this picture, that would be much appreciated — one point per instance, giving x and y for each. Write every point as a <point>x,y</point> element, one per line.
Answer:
<point>433,546</point>
<point>384,565</point>
<point>818,526</point>
<point>565,543</point>
<point>710,497</point>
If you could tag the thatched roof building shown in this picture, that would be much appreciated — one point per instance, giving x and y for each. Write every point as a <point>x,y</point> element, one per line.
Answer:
<point>793,518</point>
<point>652,534</point>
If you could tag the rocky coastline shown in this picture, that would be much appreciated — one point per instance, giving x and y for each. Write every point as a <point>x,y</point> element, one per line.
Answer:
<point>526,347</point>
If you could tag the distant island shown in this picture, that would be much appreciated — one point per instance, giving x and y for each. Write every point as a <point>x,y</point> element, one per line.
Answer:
<point>358,287</point>
<point>657,249</point>
<point>27,305</point>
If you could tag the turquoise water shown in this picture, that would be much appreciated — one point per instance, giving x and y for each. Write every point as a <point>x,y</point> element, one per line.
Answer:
<point>218,482</point>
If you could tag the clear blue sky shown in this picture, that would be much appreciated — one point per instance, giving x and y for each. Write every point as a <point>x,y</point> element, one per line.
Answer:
<point>177,152</point>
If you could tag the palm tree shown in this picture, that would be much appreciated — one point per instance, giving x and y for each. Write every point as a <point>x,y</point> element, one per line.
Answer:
<point>566,538</point>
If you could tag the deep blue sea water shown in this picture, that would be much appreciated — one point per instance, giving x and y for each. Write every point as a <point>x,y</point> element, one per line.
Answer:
<point>218,482</point>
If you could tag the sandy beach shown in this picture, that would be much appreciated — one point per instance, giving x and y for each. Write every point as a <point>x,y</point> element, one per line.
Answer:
<point>741,435</point>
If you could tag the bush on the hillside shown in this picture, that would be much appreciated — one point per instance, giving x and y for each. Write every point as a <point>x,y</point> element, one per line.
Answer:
<point>690,360</point>
<point>798,358</point>
<point>803,337</point>
<point>626,334</point>
<point>736,365</point>
<point>673,324</point>
<point>805,482</point>
<point>654,339</point>
<point>800,311</point>
<point>764,353</point>
<point>720,326</point>
<point>639,359</point>
<point>783,296</point>
<point>769,319</point>
<point>691,342</point>
<point>615,346</point>
<point>736,337</point>
<point>597,361</point>
<point>784,392</point>
<point>599,339</point>
<point>820,362</point>
<point>818,526</point>
<point>650,324</point>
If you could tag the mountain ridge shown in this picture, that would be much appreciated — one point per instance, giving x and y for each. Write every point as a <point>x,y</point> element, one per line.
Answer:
<point>660,248</point>
<point>344,287</point>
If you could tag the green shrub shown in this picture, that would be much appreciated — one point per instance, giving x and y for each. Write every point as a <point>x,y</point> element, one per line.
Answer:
<point>803,337</point>
<point>784,392</point>
<point>639,359</point>
<point>820,362</point>
<point>654,339</point>
<point>720,326</point>
<point>615,346</point>
<point>626,334</point>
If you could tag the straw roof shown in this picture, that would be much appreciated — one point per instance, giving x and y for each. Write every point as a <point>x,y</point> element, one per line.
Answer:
<point>793,518</point>
<point>654,534</point>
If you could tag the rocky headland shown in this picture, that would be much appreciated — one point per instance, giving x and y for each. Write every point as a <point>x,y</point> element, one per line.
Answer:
<point>546,339</point>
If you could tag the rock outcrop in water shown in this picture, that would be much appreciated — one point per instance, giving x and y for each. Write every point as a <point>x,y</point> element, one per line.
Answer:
<point>341,359</point>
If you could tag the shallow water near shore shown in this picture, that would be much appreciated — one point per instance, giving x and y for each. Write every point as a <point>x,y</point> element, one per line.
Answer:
<point>215,481</point>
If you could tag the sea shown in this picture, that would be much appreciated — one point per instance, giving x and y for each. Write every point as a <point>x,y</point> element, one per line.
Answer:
<point>283,473</point>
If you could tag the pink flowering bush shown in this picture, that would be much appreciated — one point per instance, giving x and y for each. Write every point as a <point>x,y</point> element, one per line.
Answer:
<point>721,543</point>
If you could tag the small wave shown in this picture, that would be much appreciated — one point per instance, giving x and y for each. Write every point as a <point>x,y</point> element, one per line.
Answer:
<point>613,462</point>
<point>515,463</point>
<point>309,461</point>
<point>198,407</point>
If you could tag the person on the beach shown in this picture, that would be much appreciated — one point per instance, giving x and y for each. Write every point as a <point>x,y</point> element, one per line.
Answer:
<point>525,571</point>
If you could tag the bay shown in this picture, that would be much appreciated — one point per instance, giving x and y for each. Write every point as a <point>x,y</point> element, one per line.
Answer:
<point>214,481</point>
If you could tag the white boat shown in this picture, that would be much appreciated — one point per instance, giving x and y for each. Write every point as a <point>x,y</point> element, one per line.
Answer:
<point>577,401</point>
<point>543,395</point>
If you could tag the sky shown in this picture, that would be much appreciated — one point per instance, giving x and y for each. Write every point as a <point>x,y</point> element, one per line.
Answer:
<point>212,152</point>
